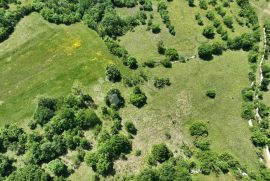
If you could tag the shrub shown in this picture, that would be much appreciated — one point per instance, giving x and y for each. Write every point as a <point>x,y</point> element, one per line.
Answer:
<point>155,28</point>
<point>228,21</point>
<point>160,153</point>
<point>211,94</point>
<point>129,126</point>
<point>131,62</point>
<point>198,129</point>
<point>57,167</point>
<point>258,138</point>
<point>209,32</point>
<point>112,73</point>
<point>172,54</point>
<point>149,63</point>
<point>205,51</point>
<point>161,47</point>
<point>161,82</point>
<point>138,98</point>
<point>217,48</point>
<point>203,4</point>
<point>87,118</point>
<point>166,63</point>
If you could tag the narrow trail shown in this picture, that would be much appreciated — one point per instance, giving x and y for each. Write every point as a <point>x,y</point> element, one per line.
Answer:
<point>266,150</point>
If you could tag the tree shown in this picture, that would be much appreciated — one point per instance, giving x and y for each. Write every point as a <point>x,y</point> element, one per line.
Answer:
<point>87,118</point>
<point>198,129</point>
<point>160,153</point>
<point>209,32</point>
<point>111,24</point>
<point>205,51</point>
<point>138,98</point>
<point>258,138</point>
<point>57,167</point>
<point>112,73</point>
<point>29,172</point>
<point>5,166</point>
<point>147,175</point>
<point>171,54</point>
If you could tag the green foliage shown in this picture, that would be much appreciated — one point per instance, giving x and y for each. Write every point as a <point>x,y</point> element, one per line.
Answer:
<point>138,98</point>
<point>130,127</point>
<point>112,73</point>
<point>228,21</point>
<point>209,32</point>
<point>57,167</point>
<point>155,28</point>
<point>131,62</point>
<point>161,47</point>
<point>205,51</point>
<point>161,82</point>
<point>102,160</point>
<point>211,94</point>
<point>164,13</point>
<point>114,99</point>
<point>203,4</point>
<point>46,108</point>
<point>5,166</point>
<point>247,111</point>
<point>171,54</point>
<point>160,153</point>
<point>258,138</point>
<point>87,118</point>
<point>247,94</point>
<point>198,129</point>
<point>147,175</point>
<point>29,172</point>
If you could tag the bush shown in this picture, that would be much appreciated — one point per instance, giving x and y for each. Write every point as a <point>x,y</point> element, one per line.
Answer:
<point>161,47</point>
<point>57,167</point>
<point>166,63</point>
<point>131,62</point>
<point>198,129</point>
<point>155,28</point>
<point>112,73</point>
<point>217,48</point>
<point>209,32</point>
<point>203,4</point>
<point>130,127</point>
<point>138,98</point>
<point>211,94</point>
<point>205,51</point>
<point>228,21</point>
<point>149,63</point>
<point>160,153</point>
<point>258,138</point>
<point>87,118</point>
<point>161,82</point>
<point>172,54</point>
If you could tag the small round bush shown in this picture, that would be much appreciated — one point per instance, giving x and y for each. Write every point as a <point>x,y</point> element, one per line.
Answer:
<point>198,129</point>
<point>161,153</point>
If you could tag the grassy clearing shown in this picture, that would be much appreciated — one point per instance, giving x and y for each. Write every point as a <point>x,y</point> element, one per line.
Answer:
<point>172,109</point>
<point>42,58</point>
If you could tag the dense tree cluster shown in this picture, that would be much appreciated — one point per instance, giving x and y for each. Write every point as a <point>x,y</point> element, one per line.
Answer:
<point>109,149</point>
<point>9,18</point>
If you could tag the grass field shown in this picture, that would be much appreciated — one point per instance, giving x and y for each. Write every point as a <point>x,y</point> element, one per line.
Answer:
<point>45,59</point>
<point>42,58</point>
